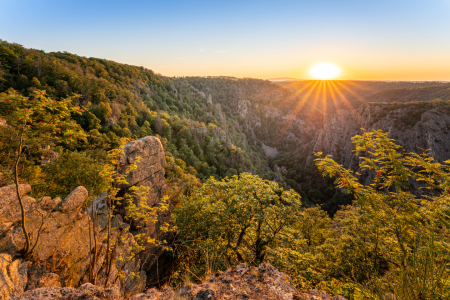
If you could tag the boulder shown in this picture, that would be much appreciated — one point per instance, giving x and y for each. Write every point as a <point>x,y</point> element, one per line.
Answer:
<point>39,277</point>
<point>9,205</point>
<point>13,276</point>
<point>64,231</point>
<point>75,200</point>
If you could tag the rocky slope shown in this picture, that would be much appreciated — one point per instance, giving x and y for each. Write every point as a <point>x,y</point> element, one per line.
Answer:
<point>243,282</point>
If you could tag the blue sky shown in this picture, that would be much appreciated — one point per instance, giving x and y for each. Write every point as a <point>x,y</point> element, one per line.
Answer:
<point>391,40</point>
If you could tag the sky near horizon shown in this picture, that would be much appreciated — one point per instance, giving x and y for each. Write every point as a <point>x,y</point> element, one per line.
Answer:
<point>368,40</point>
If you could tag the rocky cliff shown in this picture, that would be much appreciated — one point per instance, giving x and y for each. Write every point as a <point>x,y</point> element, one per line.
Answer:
<point>65,253</point>
<point>417,126</point>
<point>150,175</point>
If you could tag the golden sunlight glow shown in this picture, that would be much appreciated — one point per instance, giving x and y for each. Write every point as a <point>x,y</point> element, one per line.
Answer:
<point>325,71</point>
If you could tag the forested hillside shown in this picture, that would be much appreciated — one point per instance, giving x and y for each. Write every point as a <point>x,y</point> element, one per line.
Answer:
<point>126,101</point>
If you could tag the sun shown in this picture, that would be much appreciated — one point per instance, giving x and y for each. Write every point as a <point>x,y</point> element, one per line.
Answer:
<point>324,71</point>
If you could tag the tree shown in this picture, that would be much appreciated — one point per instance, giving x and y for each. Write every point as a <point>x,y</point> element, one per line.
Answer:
<point>2,74</point>
<point>145,130</point>
<point>35,82</point>
<point>92,121</point>
<point>133,208</point>
<point>37,122</point>
<point>393,226</point>
<point>235,220</point>
<point>159,124</point>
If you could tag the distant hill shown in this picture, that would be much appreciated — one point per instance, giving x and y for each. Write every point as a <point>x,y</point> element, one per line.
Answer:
<point>284,79</point>
<point>435,91</point>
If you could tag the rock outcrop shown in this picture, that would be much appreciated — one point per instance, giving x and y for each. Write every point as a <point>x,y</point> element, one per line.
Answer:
<point>13,276</point>
<point>62,228</point>
<point>150,169</point>
<point>150,175</point>
<point>243,282</point>
<point>62,232</point>
<point>257,283</point>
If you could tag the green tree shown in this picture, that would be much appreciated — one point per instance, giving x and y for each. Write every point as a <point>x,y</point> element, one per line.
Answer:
<point>393,226</point>
<point>36,122</point>
<point>93,121</point>
<point>145,130</point>
<point>237,219</point>
<point>71,170</point>
<point>133,208</point>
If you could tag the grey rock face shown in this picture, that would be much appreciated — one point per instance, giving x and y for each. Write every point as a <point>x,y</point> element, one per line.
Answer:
<point>269,151</point>
<point>150,175</point>
<point>416,127</point>
<point>150,169</point>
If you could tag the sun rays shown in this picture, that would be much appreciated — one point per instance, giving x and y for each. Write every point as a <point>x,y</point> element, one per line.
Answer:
<point>321,99</point>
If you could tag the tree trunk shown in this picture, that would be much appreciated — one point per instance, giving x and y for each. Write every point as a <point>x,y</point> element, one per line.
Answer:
<point>16,179</point>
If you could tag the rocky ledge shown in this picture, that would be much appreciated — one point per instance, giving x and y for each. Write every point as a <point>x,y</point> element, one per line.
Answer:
<point>243,282</point>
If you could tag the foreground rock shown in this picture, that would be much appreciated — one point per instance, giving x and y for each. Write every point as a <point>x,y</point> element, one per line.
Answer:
<point>63,255</point>
<point>13,276</point>
<point>86,291</point>
<point>264,282</point>
<point>244,282</point>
